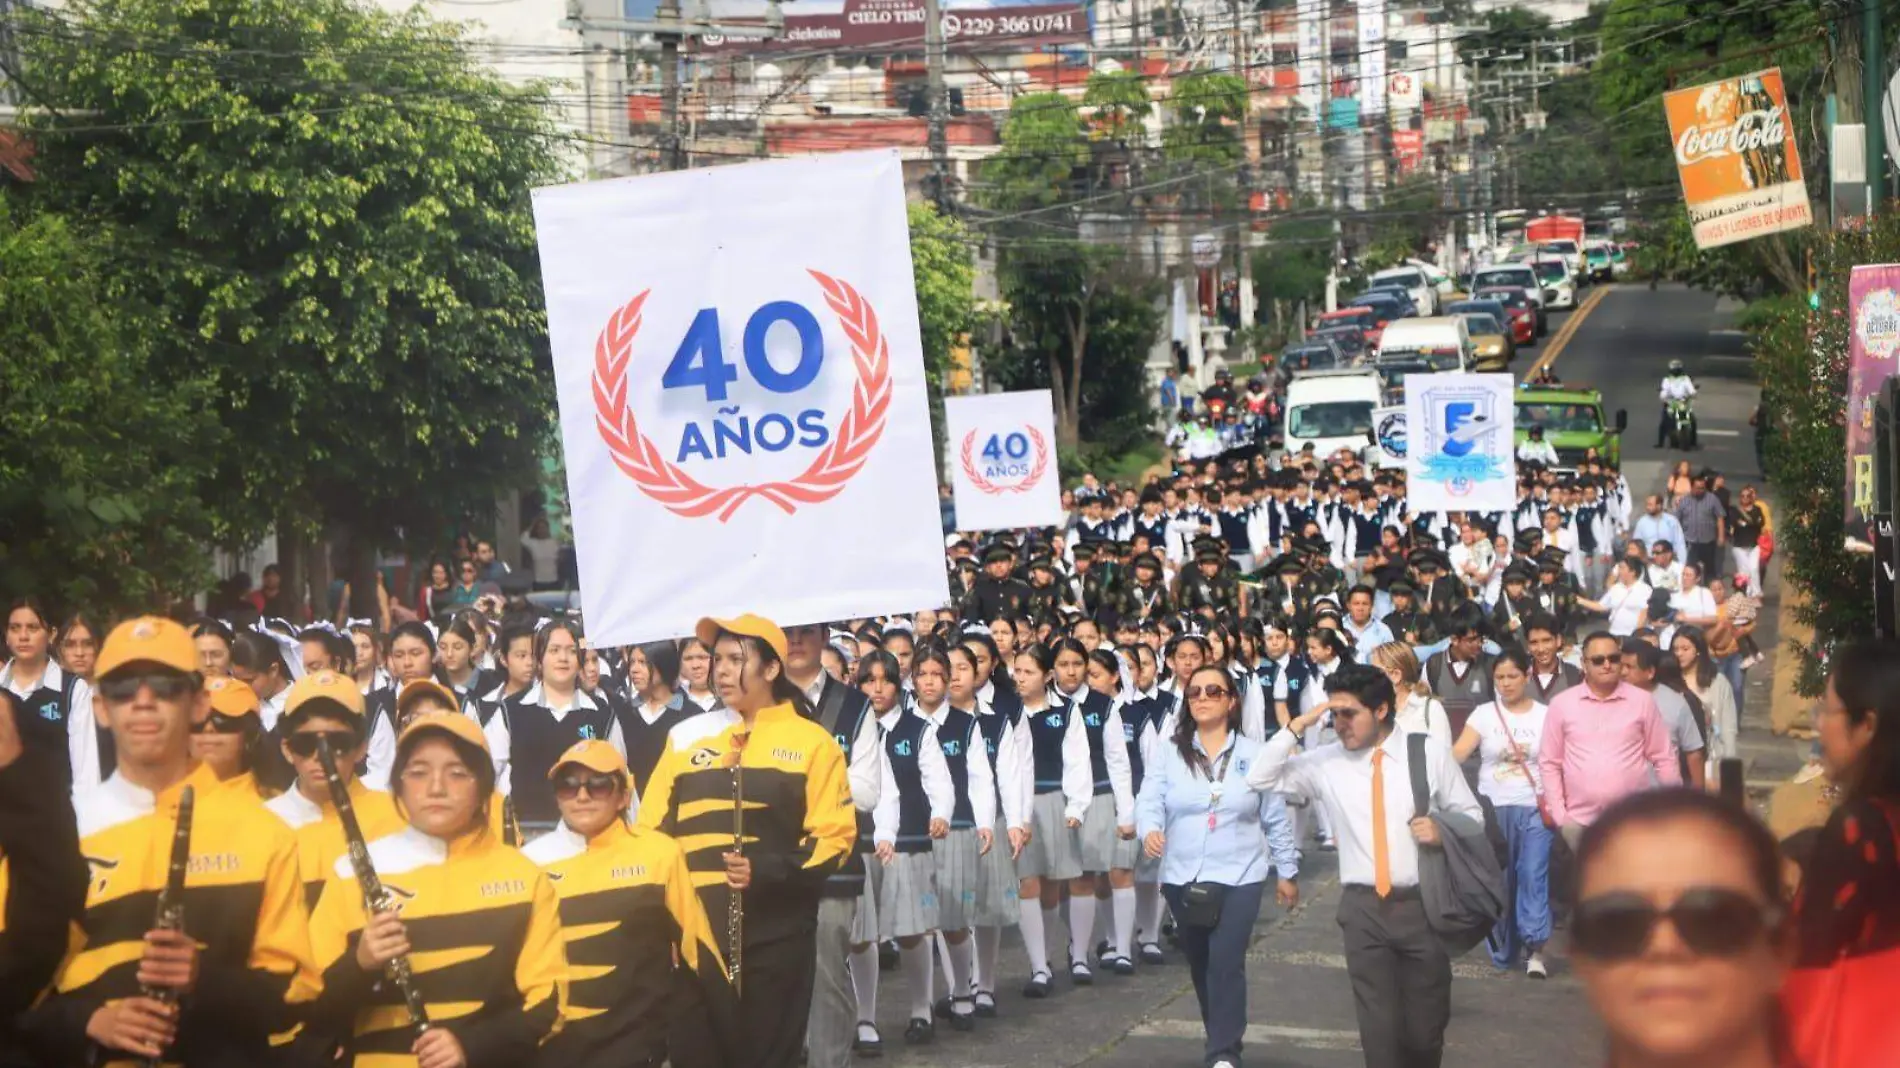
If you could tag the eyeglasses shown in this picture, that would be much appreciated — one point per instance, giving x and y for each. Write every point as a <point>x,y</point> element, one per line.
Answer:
<point>1607,658</point>
<point>219,723</point>
<point>1712,921</point>
<point>568,787</point>
<point>304,743</point>
<point>166,686</point>
<point>1215,693</point>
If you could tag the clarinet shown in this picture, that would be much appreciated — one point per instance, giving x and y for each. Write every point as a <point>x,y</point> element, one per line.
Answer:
<point>171,900</point>
<point>735,909</point>
<point>510,827</point>
<point>375,897</point>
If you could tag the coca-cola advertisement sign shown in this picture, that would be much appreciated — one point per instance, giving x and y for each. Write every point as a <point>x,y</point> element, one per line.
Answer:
<point>1735,152</point>
<point>898,26</point>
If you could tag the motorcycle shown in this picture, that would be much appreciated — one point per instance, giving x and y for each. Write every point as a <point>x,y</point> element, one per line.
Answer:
<point>1679,417</point>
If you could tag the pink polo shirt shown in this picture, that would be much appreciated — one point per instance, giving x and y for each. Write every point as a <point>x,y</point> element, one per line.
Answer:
<point>1595,750</point>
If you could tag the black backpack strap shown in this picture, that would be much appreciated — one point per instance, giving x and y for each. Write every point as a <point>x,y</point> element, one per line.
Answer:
<point>1421,784</point>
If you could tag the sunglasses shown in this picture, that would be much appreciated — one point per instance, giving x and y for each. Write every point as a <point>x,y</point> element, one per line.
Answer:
<point>166,686</point>
<point>1214,692</point>
<point>1599,661</point>
<point>1711,921</point>
<point>569,787</point>
<point>304,743</point>
<point>219,723</point>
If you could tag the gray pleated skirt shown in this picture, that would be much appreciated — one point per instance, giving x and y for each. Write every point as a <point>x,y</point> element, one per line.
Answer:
<point>959,869</point>
<point>1102,848</point>
<point>996,884</point>
<point>864,924</point>
<point>1051,852</point>
<point>906,895</point>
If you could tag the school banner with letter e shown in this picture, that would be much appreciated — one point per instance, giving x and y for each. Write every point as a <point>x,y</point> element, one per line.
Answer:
<point>1460,448</point>
<point>1735,152</point>
<point>1002,459</point>
<point>741,384</point>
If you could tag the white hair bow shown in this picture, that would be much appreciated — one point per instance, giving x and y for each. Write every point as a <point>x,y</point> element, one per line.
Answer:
<point>289,648</point>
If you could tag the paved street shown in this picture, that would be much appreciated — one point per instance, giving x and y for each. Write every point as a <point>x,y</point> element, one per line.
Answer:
<point>1301,1000</point>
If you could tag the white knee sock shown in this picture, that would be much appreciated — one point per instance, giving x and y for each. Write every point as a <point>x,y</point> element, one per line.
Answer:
<point>960,956</point>
<point>1123,902</point>
<point>1081,926</point>
<point>1034,941</point>
<point>1148,911</point>
<point>989,945</point>
<point>943,960</point>
<point>864,981</point>
<point>917,975</point>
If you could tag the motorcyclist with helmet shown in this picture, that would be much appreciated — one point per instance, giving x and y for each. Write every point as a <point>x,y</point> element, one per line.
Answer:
<point>1219,397</point>
<point>1677,389</point>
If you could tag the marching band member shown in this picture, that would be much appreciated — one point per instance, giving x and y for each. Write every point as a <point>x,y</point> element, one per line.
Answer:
<point>326,705</point>
<point>227,740</point>
<point>642,958</point>
<point>1059,752</point>
<point>478,922</point>
<point>240,968</point>
<point>799,827</point>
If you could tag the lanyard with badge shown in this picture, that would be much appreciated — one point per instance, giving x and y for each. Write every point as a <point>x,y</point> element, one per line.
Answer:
<point>1216,785</point>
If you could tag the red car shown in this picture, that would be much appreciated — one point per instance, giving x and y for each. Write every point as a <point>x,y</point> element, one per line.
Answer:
<point>1518,303</point>
<point>1364,318</point>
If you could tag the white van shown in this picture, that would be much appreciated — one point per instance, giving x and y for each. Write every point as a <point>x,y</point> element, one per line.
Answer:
<point>1331,410</point>
<point>1417,286</point>
<point>1442,342</point>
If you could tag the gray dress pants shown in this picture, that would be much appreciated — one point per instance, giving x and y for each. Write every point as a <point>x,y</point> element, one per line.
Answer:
<point>834,1007</point>
<point>1401,977</point>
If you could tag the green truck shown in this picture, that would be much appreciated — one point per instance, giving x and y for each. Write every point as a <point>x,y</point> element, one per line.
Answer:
<point>1572,418</point>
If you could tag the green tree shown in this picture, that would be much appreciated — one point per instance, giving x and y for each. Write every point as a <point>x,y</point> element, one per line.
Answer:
<point>943,273</point>
<point>1292,266</point>
<point>102,465</point>
<point>1119,103</point>
<point>326,208</point>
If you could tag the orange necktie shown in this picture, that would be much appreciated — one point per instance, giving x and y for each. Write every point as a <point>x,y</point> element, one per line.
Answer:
<point>1381,851</point>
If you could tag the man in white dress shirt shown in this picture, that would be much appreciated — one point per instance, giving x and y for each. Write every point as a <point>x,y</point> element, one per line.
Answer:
<point>1401,975</point>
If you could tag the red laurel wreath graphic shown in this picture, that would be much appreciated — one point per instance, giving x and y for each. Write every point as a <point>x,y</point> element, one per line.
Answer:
<point>681,493</point>
<point>984,485</point>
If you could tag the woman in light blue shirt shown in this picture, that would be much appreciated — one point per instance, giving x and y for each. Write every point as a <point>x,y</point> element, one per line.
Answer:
<point>1216,840</point>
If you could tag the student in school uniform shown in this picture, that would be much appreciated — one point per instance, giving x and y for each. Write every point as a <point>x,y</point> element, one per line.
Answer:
<point>411,659</point>
<point>655,706</point>
<point>367,665</point>
<point>1142,716</point>
<point>59,717</point>
<point>534,729</point>
<point>904,876</point>
<point>972,833</point>
<point>459,648</point>
<point>1114,887</point>
<point>1059,752</point>
<point>513,674</point>
<point>998,903</point>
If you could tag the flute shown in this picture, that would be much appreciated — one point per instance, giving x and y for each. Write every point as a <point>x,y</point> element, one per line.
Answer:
<point>510,827</point>
<point>735,909</point>
<point>171,900</point>
<point>376,897</point>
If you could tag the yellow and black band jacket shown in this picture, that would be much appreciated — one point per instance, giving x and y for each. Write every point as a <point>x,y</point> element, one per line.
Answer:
<point>485,948</point>
<point>319,832</point>
<point>628,912</point>
<point>799,822</point>
<point>242,904</point>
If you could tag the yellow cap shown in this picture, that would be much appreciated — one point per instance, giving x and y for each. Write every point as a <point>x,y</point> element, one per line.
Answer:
<point>337,688</point>
<point>454,723</point>
<point>748,625</point>
<point>151,640</point>
<point>420,688</point>
<point>231,697</point>
<point>594,755</point>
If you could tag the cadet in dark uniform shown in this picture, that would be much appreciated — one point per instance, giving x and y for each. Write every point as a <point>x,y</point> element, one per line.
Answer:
<point>1406,622</point>
<point>1145,597</point>
<point>1209,590</point>
<point>1515,604</point>
<point>997,592</point>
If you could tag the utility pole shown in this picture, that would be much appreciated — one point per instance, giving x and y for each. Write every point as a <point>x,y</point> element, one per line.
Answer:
<point>670,27</point>
<point>938,114</point>
<point>1873,65</point>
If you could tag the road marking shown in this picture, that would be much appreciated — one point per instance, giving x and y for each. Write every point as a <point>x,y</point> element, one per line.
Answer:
<point>1567,331</point>
<point>1720,433</point>
<point>1256,1034</point>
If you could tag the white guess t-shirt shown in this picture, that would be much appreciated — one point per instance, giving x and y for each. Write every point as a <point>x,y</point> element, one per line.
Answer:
<point>1502,776</point>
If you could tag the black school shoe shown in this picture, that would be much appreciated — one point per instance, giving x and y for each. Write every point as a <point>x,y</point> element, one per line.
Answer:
<point>985,1005</point>
<point>919,1032</point>
<point>867,1047</point>
<point>1120,965</point>
<point>963,1021</point>
<point>1151,954</point>
<point>942,1007</point>
<point>1037,987</point>
<point>1080,974</point>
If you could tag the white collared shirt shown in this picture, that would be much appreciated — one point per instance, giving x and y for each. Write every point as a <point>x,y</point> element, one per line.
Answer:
<point>500,742</point>
<point>82,740</point>
<point>940,792</point>
<point>979,779</point>
<point>1341,779</point>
